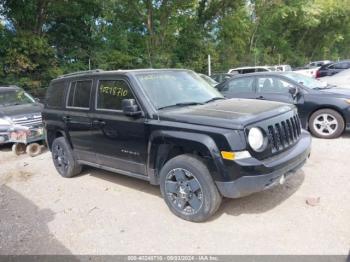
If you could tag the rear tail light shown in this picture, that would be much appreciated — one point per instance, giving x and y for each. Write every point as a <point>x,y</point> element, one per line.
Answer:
<point>318,74</point>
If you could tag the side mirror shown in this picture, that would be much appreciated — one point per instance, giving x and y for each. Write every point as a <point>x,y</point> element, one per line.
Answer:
<point>130,108</point>
<point>293,91</point>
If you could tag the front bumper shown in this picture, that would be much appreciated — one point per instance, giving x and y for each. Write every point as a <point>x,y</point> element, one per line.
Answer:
<point>4,137</point>
<point>4,134</point>
<point>284,164</point>
<point>21,135</point>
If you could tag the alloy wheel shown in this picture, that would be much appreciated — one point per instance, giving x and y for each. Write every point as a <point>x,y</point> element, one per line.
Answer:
<point>184,191</point>
<point>60,158</point>
<point>325,124</point>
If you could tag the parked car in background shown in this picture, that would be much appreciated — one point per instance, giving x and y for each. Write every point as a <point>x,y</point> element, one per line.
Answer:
<point>283,68</point>
<point>325,111</point>
<point>18,110</point>
<point>332,68</point>
<point>220,77</point>
<point>208,79</point>
<point>251,69</point>
<point>172,129</point>
<point>341,80</point>
<point>318,63</point>
<point>307,71</point>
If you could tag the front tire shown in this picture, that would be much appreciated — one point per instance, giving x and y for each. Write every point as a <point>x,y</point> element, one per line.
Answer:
<point>188,188</point>
<point>326,123</point>
<point>63,158</point>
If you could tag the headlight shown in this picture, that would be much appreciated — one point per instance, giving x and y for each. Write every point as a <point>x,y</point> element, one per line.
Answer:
<point>256,139</point>
<point>4,122</point>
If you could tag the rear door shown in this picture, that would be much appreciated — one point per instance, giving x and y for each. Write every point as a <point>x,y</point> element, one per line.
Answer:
<point>77,120</point>
<point>242,87</point>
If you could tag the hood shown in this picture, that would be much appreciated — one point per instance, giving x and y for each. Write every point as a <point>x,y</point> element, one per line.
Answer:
<point>230,113</point>
<point>20,110</point>
<point>340,92</point>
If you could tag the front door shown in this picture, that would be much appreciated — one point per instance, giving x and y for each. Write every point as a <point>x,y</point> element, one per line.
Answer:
<point>274,89</point>
<point>119,140</point>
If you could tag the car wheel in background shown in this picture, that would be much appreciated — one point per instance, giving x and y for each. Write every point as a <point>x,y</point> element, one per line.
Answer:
<point>326,123</point>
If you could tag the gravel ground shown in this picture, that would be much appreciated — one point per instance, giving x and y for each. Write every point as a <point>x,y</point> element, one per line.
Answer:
<point>103,213</point>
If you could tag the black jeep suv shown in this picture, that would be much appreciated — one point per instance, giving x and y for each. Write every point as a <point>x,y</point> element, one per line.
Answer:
<point>171,128</point>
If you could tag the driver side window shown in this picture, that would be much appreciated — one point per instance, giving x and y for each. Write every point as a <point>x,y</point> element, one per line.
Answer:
<point>273,85</point>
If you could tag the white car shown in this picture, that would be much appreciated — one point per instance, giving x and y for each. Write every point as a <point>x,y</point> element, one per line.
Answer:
<point>251,69</point>
<point>312,72</point>
<point>341,79</point>
<point>283,68</point>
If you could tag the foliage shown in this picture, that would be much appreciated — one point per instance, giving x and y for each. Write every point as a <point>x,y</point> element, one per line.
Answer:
<point>40,39</point>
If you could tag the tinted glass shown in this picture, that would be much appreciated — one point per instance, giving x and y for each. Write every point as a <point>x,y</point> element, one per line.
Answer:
<point>110,94</point>
<point>79,94</point>
<point>241,85</point>
<point>273,85</point>
<point>247,71</point>
<point>54,95</point>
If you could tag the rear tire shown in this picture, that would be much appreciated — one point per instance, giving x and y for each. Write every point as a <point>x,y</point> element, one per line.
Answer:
<point>326,123</point>
<point>63,158</point>
<point>188,188</point>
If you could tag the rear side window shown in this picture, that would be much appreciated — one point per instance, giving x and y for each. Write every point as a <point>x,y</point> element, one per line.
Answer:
<point>240,85</point>
<point>248,71</point>
<point>79,94</point>
<point>54,95</point>
<point>110,94</point>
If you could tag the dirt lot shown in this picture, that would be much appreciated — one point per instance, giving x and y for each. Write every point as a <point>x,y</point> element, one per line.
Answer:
<point>103,213</point>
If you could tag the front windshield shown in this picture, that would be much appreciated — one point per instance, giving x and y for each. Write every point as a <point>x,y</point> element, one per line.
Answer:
<point>306,80</point>
<point>170,88</point>
<point>15,97</point>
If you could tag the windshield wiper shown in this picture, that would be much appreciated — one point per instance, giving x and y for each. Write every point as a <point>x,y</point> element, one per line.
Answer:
<point>214,99</point>
<point>181,104</point>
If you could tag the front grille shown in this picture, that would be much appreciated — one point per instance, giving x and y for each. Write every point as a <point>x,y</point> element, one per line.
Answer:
<point>284,134</point>
<point>28,121</point>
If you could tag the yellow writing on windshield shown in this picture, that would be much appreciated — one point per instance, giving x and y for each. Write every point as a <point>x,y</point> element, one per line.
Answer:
<point>113,90</point>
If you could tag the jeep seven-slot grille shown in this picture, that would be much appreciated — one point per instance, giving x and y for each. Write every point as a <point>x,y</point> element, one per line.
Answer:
<point>284,134</point>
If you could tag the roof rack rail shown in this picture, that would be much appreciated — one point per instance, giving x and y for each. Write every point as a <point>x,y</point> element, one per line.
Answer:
<point>82,72</point>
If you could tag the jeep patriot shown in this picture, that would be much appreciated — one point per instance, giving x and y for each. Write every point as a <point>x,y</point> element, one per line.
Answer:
<point>171,128</point>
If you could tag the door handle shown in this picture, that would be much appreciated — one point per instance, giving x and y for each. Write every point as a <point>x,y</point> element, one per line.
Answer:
<point>66,118</point>
<point>98,122</point>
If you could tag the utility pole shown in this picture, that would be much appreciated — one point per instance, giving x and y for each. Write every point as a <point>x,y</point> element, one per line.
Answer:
<point>89,64</point>
<point>209,66</point>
